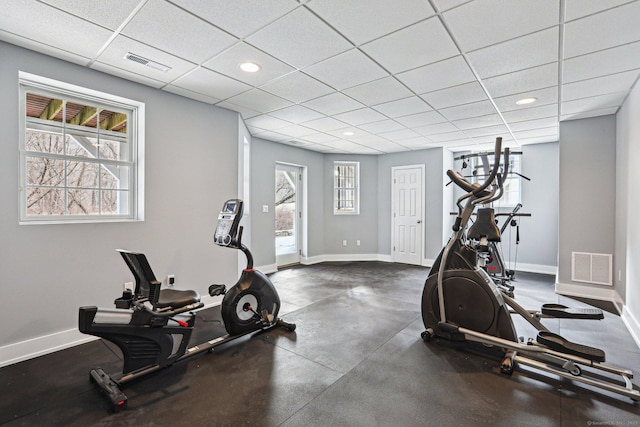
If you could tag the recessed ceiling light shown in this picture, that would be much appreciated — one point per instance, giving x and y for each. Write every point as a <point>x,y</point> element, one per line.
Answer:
<point>250,67</point>
<point>525,101</point>
<point>348,133</point>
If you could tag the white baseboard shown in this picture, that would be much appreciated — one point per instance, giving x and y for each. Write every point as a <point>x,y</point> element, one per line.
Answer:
<point>344,258</point>
<point>29,349</point>
<point>537,268</point>
<point>268,269</point>
<point>602,293</point>
<point>426,262</point>
<point>632,324</point>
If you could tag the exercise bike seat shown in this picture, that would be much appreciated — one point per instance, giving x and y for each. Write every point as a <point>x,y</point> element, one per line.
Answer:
<point>175,298</point>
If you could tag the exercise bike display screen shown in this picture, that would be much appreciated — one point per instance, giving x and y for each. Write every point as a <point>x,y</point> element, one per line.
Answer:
<point>228,220</point>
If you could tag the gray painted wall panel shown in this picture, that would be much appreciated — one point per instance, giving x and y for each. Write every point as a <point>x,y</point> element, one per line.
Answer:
<point>191,168</point>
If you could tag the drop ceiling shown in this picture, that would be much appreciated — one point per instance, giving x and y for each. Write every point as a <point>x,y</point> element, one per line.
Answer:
<point>359,76</point>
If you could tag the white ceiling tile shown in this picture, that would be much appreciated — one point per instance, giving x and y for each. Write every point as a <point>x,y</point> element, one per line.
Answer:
<point>523,81</point>
<point>299,39</point>
<point>382,126</point>
<point>601,102</point>
<point>544,96</point>
<point>538,140</point>
<point>471,22</point>
<point>401,135</point>
<point>319,138</point>
<point>296,114</point>
<point>333,71</point>
<point>516,54</point>
<point>345,146</point>
<point>43,48</point>
<point>297,131</point>
<point>436,129</point>
<point>417,143</point>
<point>579,8</point>
<point>246,113</point>
<point>198,39</point>
<point>421,119</point>
<point>412,55</point>
<point>607,29</point>
<point>449,136</point>
<point>191,94</point>
<point>364,20</point>
<point>534,124</point>
<point>531,113</point>
<point>272,136</point>
<point>259,100</point>
<point>267,122</point>
<point>108,14</point>
<point>456,95</point>
<point>534,133</point>
<point>615,60</point>
<point>443,74</point>
<point>477,122</point>
<point>297,87</point>
<point>587,114</point>
<point>325,124</point>
<point>130,76</point>
<point>121,45</point>
<point>620,82</point>
<point>211,84</point>
<point>444,5</point>
<point>31,19</point>
<point>228,63</point>
<point>497,130</point>
<point>361,116</point>
<point>378,91</point>
<point>403,107</point>
<point>466,111</point>
<point>334,103</point>
<point>386,146</point>
<point>239,17</point>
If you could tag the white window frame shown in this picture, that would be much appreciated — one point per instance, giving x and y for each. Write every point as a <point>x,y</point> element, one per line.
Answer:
<point>337,189</point>
<point>135,138</point>
<point>512,186</point>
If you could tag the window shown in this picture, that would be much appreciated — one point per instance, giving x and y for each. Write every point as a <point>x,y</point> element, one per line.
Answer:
<point>80,153</point>
<point>511,195</point>
<point>346,182</point>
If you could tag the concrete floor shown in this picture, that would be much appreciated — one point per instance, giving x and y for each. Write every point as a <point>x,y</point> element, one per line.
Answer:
<point>356,359</point>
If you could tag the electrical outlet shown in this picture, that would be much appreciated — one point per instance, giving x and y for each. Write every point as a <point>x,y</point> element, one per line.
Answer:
<point>344,243</point>
<point>171,280</point>
<point>265,208</point>
<point>357,242</point>
<point>128,285</point>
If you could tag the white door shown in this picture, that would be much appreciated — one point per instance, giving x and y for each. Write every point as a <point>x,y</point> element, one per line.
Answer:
<point>408,217</point>
<point>288,214</point>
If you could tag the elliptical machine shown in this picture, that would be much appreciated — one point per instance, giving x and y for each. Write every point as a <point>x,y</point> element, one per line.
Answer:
<point>152,326</point>
<point>462,304</point>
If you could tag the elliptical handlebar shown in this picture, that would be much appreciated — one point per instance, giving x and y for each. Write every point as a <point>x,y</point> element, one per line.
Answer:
<point>477,189</point>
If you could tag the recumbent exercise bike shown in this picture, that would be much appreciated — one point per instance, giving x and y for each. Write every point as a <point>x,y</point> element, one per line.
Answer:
<point>462,304</point>
<point>152,326</point>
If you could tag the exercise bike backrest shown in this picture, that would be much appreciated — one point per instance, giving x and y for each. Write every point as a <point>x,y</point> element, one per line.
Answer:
<point>147,286</point>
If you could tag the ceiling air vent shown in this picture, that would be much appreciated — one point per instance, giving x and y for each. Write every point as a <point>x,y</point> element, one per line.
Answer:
<point>144,61</point>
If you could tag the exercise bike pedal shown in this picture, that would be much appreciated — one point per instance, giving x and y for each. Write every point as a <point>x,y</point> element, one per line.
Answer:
<point>215,290</point>
<point>558,343</point>
<point>110,388</point>
<point>562,311</point>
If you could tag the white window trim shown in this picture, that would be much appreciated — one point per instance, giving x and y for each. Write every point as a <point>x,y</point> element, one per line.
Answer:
<point>137,131</point>
<point>356,211</point>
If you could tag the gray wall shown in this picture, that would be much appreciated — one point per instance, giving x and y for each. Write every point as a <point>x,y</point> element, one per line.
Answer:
<point>434,161</point>
<point>538,247</point>
<point>48,271</point>
<point>587,190</point>
<point>264,155</point>
<point>352,227</point>
<point>627,230</point>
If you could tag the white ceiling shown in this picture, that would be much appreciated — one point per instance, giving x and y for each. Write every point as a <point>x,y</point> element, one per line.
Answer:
<point>399,75</point>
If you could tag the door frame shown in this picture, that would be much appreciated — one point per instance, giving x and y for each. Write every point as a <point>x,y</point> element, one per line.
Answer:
<point>301,207</point>
<point>422,203</point>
